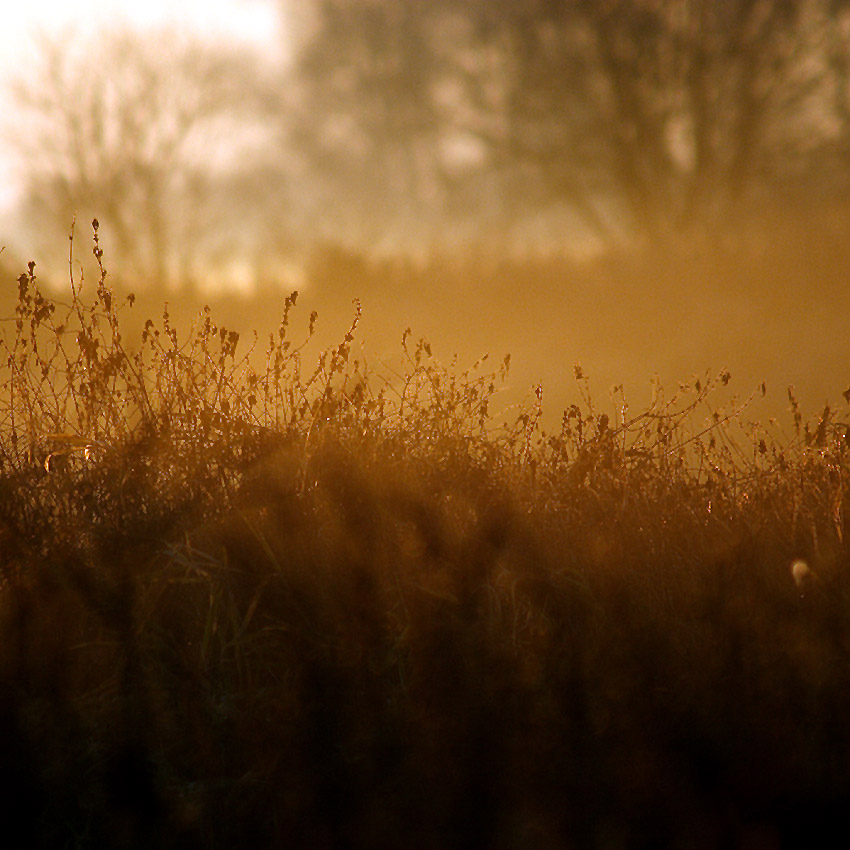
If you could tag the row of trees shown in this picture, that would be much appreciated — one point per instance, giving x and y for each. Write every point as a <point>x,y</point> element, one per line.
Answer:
<point>400,122</point>
<point>652,114</point>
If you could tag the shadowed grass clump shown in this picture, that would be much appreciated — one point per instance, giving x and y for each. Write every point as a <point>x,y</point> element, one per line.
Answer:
<point>251,603</point>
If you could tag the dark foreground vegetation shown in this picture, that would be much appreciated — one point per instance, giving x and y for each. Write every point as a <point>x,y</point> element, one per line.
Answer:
<point>249,601</point>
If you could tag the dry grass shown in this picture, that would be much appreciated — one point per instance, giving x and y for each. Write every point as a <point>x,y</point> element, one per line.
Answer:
<point>249,602</point>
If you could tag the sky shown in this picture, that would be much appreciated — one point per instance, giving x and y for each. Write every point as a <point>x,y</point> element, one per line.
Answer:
<point>249,21</point>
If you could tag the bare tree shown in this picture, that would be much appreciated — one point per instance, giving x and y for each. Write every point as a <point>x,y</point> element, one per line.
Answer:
<point>705,102</point>
<point>137,130</point>
<point>363,118</point>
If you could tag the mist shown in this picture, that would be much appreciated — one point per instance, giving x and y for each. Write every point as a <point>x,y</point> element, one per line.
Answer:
<point>647,189</point>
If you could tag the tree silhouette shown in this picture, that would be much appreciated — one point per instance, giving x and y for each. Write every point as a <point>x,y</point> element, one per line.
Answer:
<point>655,115</point>
<point>140,131</point>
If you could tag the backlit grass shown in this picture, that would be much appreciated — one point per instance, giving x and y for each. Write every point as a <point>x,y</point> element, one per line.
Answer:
<point>257,597</point>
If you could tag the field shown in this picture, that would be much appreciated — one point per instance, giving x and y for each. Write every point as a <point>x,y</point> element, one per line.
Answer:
<point>255,599</point>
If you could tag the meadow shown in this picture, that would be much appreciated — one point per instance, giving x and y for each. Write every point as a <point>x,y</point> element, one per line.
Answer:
<point>256,597</point>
